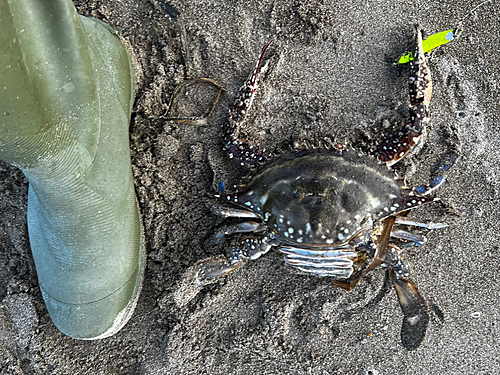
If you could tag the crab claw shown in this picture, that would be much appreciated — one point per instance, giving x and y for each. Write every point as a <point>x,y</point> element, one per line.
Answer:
<point>246,153</point>
<point>415,311</point>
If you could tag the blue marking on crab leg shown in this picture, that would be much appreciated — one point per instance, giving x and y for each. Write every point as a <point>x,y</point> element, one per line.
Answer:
<point>244,151</point>
<point>427,189</point>
<point>403,140</point>
<point>221,187</point>
<point>447,164</point>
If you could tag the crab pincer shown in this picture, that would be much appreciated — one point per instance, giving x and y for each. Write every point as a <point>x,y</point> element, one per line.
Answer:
<point>244,151</point>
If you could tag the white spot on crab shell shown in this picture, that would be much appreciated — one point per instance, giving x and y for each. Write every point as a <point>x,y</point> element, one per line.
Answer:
<point>341,236</point>
<point>308,228</point>
<point>392,196</point>
<point>375,202</point>
<point>329,241</point>
<point>290,230</point>
<point>299,239</point>
<point>263,199</point>
<point>280,220</point>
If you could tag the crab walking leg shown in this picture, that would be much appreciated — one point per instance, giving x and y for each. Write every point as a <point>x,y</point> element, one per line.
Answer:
<point>250,248</point>
<point>428,225</point>
<point>244,227</point>
<point>234,212</point>
<point>242,150</point>
<point>402,141</point>
<point>408,236</point>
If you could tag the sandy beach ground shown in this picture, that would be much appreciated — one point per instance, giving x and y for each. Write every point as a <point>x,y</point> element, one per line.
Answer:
<point>331,75</point>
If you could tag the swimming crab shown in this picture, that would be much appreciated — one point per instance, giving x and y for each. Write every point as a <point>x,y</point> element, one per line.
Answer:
<point>331,210</point>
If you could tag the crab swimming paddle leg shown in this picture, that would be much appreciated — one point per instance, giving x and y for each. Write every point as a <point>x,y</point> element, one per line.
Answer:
<point>404,139</point>
<point>415,310</point>
<point>67,91</point>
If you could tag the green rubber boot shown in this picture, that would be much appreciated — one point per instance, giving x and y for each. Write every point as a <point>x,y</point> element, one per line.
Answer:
<point>66,90</point>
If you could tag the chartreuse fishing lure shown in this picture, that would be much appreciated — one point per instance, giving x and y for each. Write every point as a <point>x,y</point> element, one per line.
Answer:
<point>66,94</point>
<point>433,41</point>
